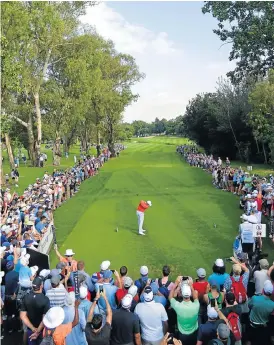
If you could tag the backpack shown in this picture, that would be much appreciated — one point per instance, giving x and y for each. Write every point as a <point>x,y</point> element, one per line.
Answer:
<point>239,290</point>
<point>48,338</point>
<point>234,325</point>
<point>143,284</point>
<point>166,285</point>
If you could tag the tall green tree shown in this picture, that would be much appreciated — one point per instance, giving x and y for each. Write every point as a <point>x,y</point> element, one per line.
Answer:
<point>33,30</point>
<point>261,116</point>
<point>249,27</point>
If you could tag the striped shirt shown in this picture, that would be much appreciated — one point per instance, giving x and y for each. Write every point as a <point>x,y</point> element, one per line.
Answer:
<point>57,296</point>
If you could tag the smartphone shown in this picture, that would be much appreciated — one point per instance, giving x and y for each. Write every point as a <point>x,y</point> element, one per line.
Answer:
<point>212,302</point>
<point>170,339</point>
<point>184,278</point>
<point>112,271</point>
<point>222,287</point>
<point>101,289</point>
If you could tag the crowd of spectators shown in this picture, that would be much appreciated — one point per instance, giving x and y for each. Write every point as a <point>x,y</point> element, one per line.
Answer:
<point>69,306</point>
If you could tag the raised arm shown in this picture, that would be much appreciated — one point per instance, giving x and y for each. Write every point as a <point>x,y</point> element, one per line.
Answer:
<point>92,308</point>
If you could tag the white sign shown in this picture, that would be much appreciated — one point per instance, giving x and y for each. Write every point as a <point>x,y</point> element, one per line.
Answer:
<point>249,168</point>
<point>259,230</point>
<point>46,241</point>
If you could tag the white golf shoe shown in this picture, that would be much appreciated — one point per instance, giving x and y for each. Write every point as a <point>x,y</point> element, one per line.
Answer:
<point>142,233</point>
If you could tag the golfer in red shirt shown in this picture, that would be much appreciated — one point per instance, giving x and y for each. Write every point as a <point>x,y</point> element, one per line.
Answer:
<point>143,205</point>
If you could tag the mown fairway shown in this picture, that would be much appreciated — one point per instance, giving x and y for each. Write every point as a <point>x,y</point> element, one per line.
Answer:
<point>180,225</point>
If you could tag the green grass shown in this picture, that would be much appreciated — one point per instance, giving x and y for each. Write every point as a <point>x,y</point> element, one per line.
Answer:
<point>29,174</point>
<point>180,224</point>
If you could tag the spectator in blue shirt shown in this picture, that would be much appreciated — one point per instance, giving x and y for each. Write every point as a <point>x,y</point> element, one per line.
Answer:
<point>219,275</point>
<point>110,290</point>
<point>141,282</point>
<point>40,226</point>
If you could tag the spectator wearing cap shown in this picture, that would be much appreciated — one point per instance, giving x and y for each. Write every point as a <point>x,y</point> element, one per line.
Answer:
<point>223,336</point>
<point>208,330</point>
<point>68,259</point>
<point>98,333</point>
<point>57,294</point>
<point>133,291</point>
<point>120,293</point>
<point>11,287</point>
<point>142,281</point>
<point>47,282</point>
<point>187,311</point>
<point>261,309</point>
<point>202,287</point>
<point>261,276</point>
<point>237,269</point>
<point>34,306</point>
<point>153,318</point>
<point>53,324</point>
<point>25,273</point>
<point>125,325</point>
<point>246,234</point>
<point>219,274</point>
<point>85,304</point>
<point>110,290</point>
<point>77,335</point>
<point>97,277</point>
<point>30,244</point>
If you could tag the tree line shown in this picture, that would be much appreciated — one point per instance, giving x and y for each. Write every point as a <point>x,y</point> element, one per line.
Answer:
<point>237,119</point>
<point>60,79</point>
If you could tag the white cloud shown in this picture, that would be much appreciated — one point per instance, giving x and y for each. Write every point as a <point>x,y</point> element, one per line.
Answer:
<point>173,76</point>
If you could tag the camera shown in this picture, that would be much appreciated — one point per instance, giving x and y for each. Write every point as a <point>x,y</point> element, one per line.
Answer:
<point>228,260</point>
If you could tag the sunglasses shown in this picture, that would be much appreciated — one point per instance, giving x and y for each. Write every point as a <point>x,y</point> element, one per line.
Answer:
<point>69,256</point>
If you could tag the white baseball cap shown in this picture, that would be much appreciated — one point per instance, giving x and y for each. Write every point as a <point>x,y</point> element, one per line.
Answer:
<point>212,313</point>
<point>133,290</point>
<point>126,301</point>
<point>244,217</point>
<point>105,265</point>
<point>186,290</point>
<point>219,263</point>
<point>54,317</point>
<point>144,270</point>
<point>83,292</point>
<point>44,273</point>
<point>34,269</point>
<point>149,203</point>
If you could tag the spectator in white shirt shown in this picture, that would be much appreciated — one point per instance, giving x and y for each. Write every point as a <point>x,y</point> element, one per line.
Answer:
<point>261,276</point>
<point>153,319</point>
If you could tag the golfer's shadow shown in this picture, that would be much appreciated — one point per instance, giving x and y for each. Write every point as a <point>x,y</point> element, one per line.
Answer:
<point>130,228</point>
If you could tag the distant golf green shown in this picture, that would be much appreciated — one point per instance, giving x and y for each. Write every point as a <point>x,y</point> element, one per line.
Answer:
<point>180,224</point>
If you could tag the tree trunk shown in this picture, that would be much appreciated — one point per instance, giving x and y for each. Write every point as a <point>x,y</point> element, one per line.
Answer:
<point>65,144</point>
<point>9,149</point>
<point>234,135</point>
<point>57,151</point>
<point>31,149</point>
<point>111,141</point>
<point>1,165</point>
<point>39,124</point>
<point>257,144</point>
<point>98,141</point>
<point>265,156</point>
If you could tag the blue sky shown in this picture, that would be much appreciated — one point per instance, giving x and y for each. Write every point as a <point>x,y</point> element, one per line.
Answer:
<point>173,44</point>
